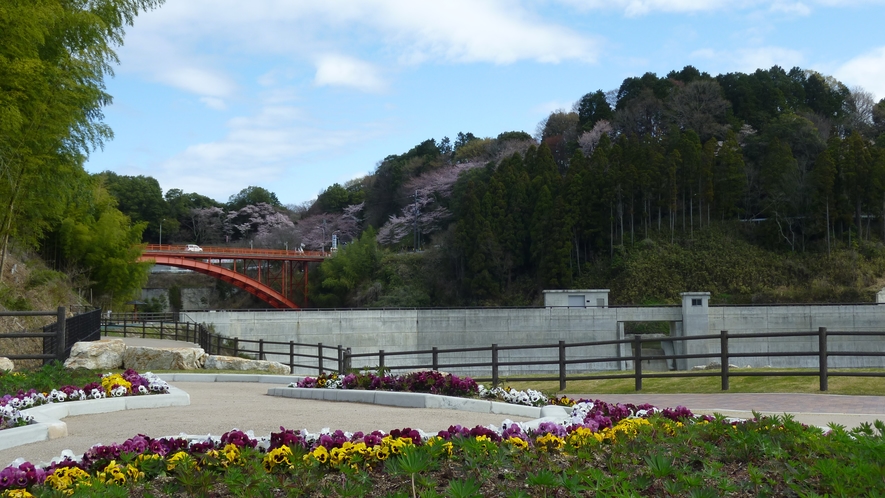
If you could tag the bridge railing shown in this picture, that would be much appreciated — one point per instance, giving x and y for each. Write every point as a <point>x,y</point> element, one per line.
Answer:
<point>233,251</point>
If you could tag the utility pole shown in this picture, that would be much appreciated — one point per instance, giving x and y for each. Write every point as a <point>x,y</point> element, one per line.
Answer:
<point>161,230</point>
<point>416,220</point>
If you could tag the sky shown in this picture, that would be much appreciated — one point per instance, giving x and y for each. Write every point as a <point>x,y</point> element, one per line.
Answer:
<point>213,96</point>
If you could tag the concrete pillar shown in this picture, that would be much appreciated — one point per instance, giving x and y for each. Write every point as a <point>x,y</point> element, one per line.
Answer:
<point>624,350</point>
<point>674,347</point>
<point>695,321</point>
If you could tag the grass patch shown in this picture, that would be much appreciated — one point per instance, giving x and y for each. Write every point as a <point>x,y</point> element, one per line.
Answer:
<point>51,376</point>
<point>874,386</point>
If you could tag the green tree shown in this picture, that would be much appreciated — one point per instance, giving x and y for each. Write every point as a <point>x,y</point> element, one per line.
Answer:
<point>593,107</point>
<point>179,213</point>
<point>96,237</point>
<point>251,196</point>
<point>140,198</point>
<point>856,163</point>
<point>54,56</point>
<point>351,277</point>
<point>729,177</point>
<point>475,240</point>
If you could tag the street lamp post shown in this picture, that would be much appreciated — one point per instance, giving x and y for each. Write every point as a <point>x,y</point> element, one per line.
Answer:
<point>161,230</point>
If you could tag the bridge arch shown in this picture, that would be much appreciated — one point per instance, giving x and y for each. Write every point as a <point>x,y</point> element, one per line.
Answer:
<point>257,289</point>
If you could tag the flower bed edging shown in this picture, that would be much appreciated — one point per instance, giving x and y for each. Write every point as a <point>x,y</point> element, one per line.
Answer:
<point>408,400</point>
<point>47,418</point>
<point>207,377</point>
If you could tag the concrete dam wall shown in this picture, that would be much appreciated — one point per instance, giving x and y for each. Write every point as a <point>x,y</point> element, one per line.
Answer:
<point>366,330</point>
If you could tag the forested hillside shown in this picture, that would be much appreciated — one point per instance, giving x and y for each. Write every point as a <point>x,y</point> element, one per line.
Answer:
<point>767,186</point>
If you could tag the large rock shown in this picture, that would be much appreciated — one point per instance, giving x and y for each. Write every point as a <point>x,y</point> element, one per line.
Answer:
<point>6,365</point>
<point>214,362</point>
<point>143,358</point>
<point>103,354</point>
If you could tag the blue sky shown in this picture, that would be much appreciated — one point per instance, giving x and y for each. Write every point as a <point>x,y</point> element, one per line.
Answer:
<point>212,96</point>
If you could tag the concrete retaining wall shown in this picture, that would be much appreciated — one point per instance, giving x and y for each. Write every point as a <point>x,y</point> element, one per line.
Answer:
<point>366,331</point>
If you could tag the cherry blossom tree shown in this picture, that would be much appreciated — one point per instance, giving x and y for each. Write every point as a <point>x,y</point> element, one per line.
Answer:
<point>316,231</point>
<point>590,139</point>
<point>425,211</point>
<point>205,225</point>
<point>262,223</point>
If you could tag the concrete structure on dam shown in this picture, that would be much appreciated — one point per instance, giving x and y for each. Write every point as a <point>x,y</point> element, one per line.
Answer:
<point>573,316</point>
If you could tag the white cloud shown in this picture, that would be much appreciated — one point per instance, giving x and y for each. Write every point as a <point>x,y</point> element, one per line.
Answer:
<point>160,59</point>
<point>634,8</point>
<point>866,70</point>
<point>496,31</point>
<point>476,31</point>
<point>259,149</point>
<point>214,103</point>
<point>791,8</point>
<point>339,70</point>
<point>197,80</point>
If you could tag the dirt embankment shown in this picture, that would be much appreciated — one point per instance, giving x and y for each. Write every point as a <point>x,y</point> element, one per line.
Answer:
<point>27,284</point>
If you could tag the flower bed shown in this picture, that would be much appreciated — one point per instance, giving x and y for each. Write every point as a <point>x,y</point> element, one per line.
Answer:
<point>416,382</point>
<point>431,382</point>
<point>602,450</point>
<point>142,457</point>
<point>129,383</point>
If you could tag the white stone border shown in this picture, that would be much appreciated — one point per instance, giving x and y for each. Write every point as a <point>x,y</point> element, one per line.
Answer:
<point>48,424</point>
<point>408,400</point>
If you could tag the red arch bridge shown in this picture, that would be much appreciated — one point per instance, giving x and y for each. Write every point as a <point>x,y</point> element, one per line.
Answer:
<point>277,277</point>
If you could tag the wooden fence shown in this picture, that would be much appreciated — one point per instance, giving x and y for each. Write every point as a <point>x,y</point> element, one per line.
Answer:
<point>323,358</point>
<point>58,338</point>
<point>564,360</point>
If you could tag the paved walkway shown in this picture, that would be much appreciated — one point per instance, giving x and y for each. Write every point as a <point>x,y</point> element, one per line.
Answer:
<point>219,407</point>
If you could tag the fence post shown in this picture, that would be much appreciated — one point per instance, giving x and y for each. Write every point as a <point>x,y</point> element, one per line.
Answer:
<point>291,356</point>
<point>723,350</point>
<point>822,349</point>
<point>320,357</point>
<point>143,330</point>
<point>341,360</point>
<point>435,359</point>
<point>260,349</point>
<point>495,379</point>
<point>347,360</point>
<point>561,365</point>
<point>161,329</point>
<point>237,346</point>
<point>637,362</point>
<point>60,345</point>
<point>381,361</point>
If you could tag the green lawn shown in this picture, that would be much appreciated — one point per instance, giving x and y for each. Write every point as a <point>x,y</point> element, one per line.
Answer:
<point>874,386</point>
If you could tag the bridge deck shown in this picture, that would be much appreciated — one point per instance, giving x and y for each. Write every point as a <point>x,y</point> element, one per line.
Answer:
<point>214,252</point>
